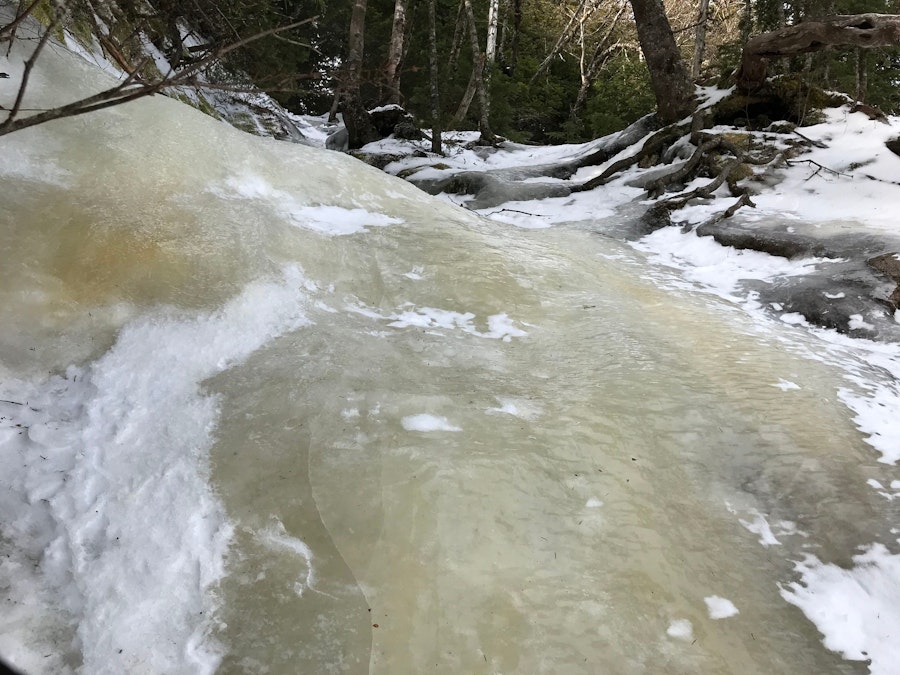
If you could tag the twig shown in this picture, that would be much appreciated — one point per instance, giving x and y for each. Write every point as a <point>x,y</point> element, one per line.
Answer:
<point>881,180</point>
<point>129,89</point>
<point>822,167</point>
<point>524,213</point>
<point>10,28</point>
<point>26,74</point>
<point>818,144</point>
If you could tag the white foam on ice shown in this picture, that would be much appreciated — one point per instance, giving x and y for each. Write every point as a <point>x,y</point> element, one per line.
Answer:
<point>105,489</point>
<point>325,219</point>
<point>427,422</point>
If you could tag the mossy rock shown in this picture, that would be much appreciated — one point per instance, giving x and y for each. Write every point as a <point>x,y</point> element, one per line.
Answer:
<point>406,173</point>
<point>788,98</point>
<point>739,140</point>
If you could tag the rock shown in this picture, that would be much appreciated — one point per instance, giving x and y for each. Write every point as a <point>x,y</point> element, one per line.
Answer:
<point>407,131</point>
<point>889,264</point>
<point>387,117</point>
<point>893,145</point>
<point>339,140</point>
<point>871,112</point>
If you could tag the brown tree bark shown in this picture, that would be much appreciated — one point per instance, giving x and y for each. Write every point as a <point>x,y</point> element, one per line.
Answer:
<point>672,87</point>
<point>857,30</point>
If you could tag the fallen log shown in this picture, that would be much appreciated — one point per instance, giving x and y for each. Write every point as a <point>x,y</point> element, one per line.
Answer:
<point>855,30</point>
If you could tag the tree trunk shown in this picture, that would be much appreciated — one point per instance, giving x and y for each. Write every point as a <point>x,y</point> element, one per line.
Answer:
<point>484,101</point>
<point>433,66</point>
<point>517,24</point>
<point>490,57</point>
<point>746,22</point>
<point>862,74</point>
<point>858,30</point>
<point>463,109</point>
<point>360,129</point>
<point>700,39</point>
<point>490,49</point>
<point>395,52</point>
<point>672,88</point>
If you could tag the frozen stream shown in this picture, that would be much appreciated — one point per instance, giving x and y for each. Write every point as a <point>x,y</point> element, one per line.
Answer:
<point>268,410</point>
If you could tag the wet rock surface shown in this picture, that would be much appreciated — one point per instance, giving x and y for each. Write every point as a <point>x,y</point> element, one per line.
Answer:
<point>856,292</point>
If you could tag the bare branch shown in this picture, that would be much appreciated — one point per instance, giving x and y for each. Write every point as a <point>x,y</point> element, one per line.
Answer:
<point>26,74</point>
<point>9,29</point>
<point>131,88</point>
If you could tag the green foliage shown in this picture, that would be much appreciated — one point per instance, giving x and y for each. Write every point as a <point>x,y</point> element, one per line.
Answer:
<point>619,98</point>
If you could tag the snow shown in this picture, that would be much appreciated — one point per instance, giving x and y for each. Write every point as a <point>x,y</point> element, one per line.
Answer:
<point>426,422</point>
<point>855,609</point>
<point>408,315</point>
<point>129,534</point>
<point>330,220</point>
<point>681,629</point>
<point>720,608</point>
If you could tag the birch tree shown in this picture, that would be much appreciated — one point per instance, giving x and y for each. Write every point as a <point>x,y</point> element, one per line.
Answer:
<point>395,52</point>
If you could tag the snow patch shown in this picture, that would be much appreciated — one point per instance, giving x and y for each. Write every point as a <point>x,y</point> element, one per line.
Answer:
<point>425,422</point>
<point>855,609</point>
<point>720,608</point>
<point>324,219</point>
<point>681,629</point>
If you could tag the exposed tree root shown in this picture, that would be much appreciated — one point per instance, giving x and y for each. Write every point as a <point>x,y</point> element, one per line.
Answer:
<point>653,147</point>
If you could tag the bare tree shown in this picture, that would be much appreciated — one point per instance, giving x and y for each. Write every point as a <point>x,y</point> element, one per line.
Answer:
<point>134,86</point>
<point>589,68</point>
